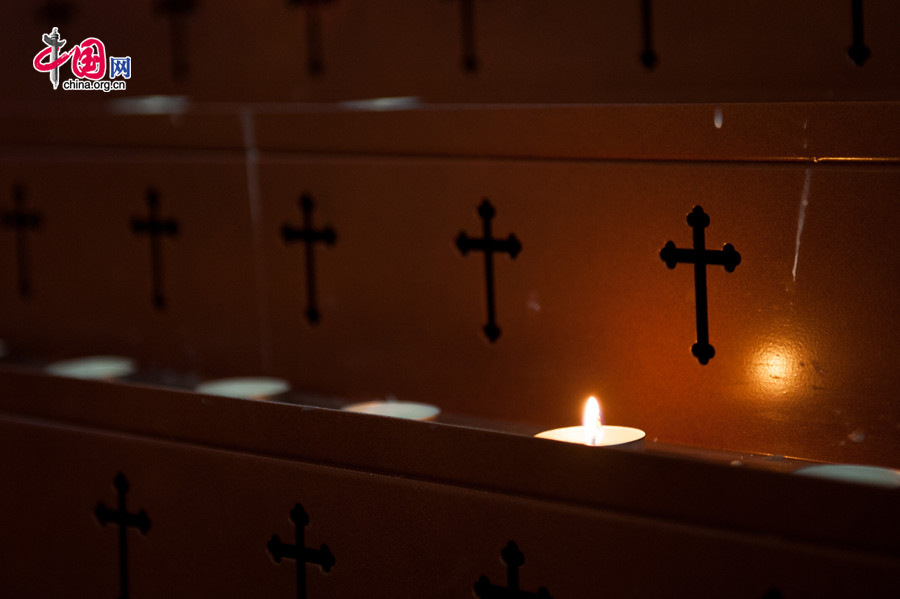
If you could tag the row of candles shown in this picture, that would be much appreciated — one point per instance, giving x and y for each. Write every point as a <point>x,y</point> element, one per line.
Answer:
<point>591,432</point>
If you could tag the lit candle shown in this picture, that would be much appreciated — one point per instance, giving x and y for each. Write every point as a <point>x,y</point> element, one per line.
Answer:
<point>593,432</point>
<point>93,367</point>
<point>408,410</point>
<point>245,387</point>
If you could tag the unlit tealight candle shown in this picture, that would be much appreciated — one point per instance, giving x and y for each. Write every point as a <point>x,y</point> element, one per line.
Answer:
<point>408,410</point>
<point>866,475</point>
<point>93,367</point>
<point>259,387</point>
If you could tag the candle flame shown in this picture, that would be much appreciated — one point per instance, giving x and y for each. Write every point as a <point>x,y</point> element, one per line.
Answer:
<point>591,422</point>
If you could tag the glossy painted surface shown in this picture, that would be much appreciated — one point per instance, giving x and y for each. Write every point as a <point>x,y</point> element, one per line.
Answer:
<point>534,52</point>
<point>805,329</point>
<point>92,276</point>
<point>401,504</point>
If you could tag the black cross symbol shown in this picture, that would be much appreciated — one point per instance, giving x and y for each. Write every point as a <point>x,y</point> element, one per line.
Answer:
<point>467,30</point>
<point>648,56</point>
<point>55,12</point>
<point>489,245</point>
<point>124,520</point>
<point>155,228</point>
<point>299,552</point>
<point>314,60</point>
<point>859,52</point>
<point>513,559</point>
<point>21,221</point>
<point>178,12</point>
<point>309,236</point>
<point>700,257</point>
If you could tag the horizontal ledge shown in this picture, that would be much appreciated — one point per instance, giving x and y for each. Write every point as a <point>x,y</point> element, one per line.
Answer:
<point>643,484</point>
<point>841,132</point>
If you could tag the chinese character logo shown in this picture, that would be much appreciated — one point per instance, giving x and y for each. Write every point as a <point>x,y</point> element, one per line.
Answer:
<point>120,67</point>
<point>87,61</point>
<point>53,45</point>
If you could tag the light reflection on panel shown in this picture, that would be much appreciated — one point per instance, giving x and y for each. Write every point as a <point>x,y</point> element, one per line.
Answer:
<point>778,367</point>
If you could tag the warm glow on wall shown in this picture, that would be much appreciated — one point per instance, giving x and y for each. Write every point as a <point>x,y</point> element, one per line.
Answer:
<point>776,366</point>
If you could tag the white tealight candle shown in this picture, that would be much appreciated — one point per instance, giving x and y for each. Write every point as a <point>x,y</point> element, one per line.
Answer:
<point>593,432</point>
<point>93,367</point>
<point>865,475</point>
<point>246,387</point>
<point>408,410</point>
